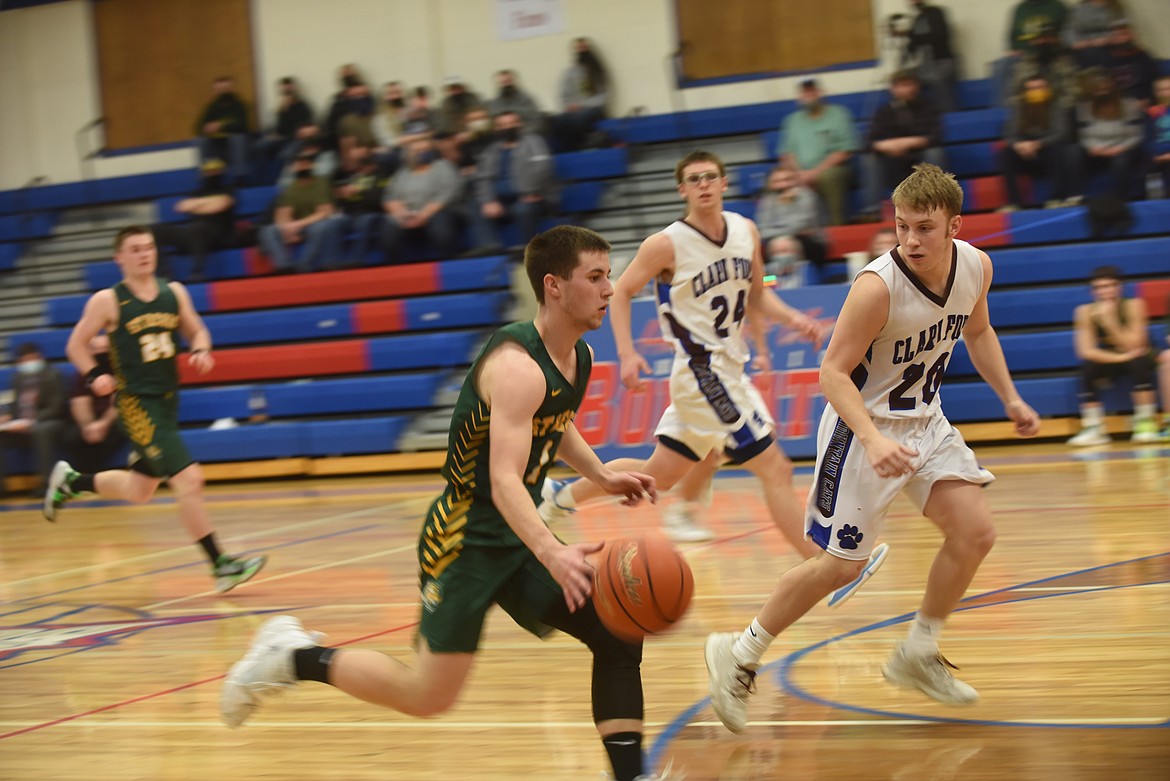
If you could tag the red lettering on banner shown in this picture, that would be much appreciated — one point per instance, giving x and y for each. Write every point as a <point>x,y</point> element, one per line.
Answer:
<point>799,387</point>
<point>593,416</point>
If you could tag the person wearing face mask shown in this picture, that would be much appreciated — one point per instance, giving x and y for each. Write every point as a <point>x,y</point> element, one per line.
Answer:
<point>357,190</point>
<point>211,223</point>
<point>279,143</point>
<point>388,123</point>
<point>584,97</point>
<point>817,141</point>
<point>35,420</point>
<point>1087,30</point>
<point>221,132</point>
<point>1131,66</point>
<point>303,214</point>
<point>1036,144</point>
<point>512,99</point>
<point>422,202</point>
<point>93,440</point>
<point>788,216</point>
<point>458,101</point>
<point>1047,57</point>
<point>905,131</point>
<point>514,183</point>
<point>929,52</point>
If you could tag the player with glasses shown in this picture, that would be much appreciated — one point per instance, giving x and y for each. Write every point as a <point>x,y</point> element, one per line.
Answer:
<point>708,270</point>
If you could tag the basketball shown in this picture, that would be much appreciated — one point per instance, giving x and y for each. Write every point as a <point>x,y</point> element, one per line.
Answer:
<point>641,586</point>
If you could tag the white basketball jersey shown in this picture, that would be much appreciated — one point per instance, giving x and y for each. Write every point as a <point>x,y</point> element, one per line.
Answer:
<point>703,306</point>
<point>903,370</point>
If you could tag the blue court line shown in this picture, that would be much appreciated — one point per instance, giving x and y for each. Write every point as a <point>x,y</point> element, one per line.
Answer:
<point>190,564</point>
<point>782,667</point>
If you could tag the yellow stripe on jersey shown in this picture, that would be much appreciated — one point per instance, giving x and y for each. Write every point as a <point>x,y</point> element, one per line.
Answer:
<point>136,420</point>
<point>443,539</point>
<point>468,443</point>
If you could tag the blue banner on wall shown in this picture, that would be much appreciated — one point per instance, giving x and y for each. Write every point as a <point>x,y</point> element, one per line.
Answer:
<point>619,423</point>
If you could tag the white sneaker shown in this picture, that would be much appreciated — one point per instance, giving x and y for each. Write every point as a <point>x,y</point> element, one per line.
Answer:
<point>678,521</point>
<point>928,674</point>
<point>1090,437</point>
<point>728,682</point>
<point>550,511</point>
<point>266,669</point>
<point>876,559</point>
<point>1145,431</point>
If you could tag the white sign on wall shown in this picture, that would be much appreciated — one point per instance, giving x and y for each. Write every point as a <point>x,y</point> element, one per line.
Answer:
<point>517,19</point>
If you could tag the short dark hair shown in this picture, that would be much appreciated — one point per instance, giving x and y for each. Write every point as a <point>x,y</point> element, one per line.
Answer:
<point>1106,272</point>
<point>698,156</point>
<point>557,251</point>
<point>127,232</point>
<point>28,348</point>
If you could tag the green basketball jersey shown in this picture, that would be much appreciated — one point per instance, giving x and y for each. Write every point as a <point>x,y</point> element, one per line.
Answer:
<point>142,347</point>
<point>465,514</point>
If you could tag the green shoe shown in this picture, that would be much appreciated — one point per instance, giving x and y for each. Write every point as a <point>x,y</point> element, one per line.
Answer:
<point>59,491</point>
<point>230,572</point>
<point>1145,431</point>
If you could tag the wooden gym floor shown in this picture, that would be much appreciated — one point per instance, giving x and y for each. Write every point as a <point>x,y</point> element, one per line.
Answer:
<point>112,646</point>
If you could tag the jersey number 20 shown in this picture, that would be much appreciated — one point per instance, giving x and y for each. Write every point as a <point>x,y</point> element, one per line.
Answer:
<point>912,375</point>
<point>156,347</point>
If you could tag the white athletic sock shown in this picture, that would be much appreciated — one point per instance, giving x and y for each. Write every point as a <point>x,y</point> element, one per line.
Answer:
<point>1092,415</point>
<point>1142,412</point>
<point>924,634</point>
<point>751,645</point>
<point>564,497</point>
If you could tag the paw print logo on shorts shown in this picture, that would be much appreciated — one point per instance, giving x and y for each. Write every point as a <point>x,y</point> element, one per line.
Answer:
<point>849,536</point>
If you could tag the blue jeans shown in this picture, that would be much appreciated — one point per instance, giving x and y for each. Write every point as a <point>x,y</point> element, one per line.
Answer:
<point>441,234</point>
<point>232,149</point>
<point>321,245</point>
<point>363,228</point>
<point>526,215</point>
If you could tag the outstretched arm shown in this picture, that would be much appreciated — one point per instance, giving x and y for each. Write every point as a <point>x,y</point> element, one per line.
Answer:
<point>575,452</point>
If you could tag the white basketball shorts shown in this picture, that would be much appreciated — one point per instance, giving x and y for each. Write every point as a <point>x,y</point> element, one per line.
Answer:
<point>848,501</point>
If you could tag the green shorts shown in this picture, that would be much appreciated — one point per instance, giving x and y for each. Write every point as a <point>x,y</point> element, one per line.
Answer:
<point>151,423</point>
<point>456,601</point>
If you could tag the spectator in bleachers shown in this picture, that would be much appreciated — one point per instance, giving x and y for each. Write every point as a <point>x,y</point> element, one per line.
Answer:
<point>311,143</point>
<point>1159,114</point>
<point>905,131</point>
<point>1048,57</point>
<point>1089,28</point>
<point>1111,129</point>
<point>511,98</point>
<point>94,438</point>
<point>457,102</point>
<point>1031,19</point>
<point>422,201</point>
<point>211,223</point>
<point>36,419</point>
<point>353,98</point>
<point>304,215</point>
<point>584,101</point>
<point>1131,66</point>
<point>280,142</point>
<point>882,241</point>
<point>388,123</point>
<point>357,189</point>
<point>929,52</point>
<point>1033,22</point>
<point>1112,341</point>
<point>421,120</point>
<point>788,218</point>
<point>1037,144</point>
<point>514,183</point>
<point>817,141</point>
<point>222,130</point>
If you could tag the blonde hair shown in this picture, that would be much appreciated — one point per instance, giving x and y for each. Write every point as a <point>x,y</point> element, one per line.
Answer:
<point>927,189</point>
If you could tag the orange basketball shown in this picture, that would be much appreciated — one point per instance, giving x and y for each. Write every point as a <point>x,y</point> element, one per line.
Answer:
<point>641,586</point>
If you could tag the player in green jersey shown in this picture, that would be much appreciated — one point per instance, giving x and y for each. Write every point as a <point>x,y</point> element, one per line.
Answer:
<point>483,542</point>
<point>141,315</point>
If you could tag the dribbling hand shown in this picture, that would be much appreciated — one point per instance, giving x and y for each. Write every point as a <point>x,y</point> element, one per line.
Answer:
<point>634,486</point>
<point>567,565</point>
